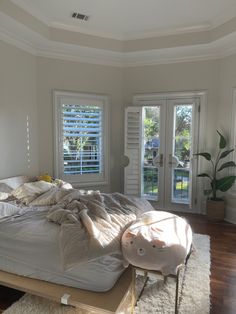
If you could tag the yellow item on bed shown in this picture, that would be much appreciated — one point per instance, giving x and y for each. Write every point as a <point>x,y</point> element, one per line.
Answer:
<point>46,177</point>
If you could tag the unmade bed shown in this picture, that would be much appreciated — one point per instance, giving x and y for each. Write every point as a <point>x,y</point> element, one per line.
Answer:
<point>29,247</point>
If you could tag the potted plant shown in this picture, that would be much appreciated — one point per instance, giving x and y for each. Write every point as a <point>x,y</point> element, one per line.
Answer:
<point>215,205</point>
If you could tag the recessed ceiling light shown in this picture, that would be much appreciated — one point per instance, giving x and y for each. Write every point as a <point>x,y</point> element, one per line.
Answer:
<point>80,16</point>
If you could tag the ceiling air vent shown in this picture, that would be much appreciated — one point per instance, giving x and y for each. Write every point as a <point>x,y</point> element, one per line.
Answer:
<point>80,16</point>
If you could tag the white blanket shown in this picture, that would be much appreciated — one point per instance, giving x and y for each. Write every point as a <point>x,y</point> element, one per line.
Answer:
<point>91,223</point>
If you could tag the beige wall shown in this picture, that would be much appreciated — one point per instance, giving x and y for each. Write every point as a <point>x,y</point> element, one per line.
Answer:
<point>17,101</point>
<point>74,76</point>
<point>27,82</point>
<point>227,83</point>
<point>189,76</point>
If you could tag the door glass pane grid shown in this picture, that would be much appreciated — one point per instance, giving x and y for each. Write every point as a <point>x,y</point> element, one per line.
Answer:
<point>151,145</point>
<point>182,143</point>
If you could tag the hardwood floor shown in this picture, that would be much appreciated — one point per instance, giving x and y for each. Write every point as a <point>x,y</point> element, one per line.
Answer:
<point>223,263</point>
<point>223,266</point>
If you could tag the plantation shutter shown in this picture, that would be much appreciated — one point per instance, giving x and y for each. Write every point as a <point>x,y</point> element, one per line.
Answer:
<point>82,139</point>
<point>133,146</point>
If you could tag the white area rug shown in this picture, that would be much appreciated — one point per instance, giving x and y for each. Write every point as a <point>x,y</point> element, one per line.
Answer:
<point>157,296</point>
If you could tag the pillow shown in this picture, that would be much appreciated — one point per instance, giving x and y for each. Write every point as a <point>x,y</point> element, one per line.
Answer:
<point>158,240</point>
<point>62,184</point>
<point>4,196</point>
<point>27,192</point>
<point>7,209</point>
<point>5,191</point>
<point>4,188</point>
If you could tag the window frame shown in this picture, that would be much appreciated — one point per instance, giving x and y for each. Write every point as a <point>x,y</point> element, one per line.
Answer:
<point>75,97</point>
<point>232,192</point>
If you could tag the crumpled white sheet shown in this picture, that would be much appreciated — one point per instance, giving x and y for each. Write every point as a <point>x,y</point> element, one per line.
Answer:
<point>7,209</point>
<point>28,191</point>
<point>91,223</point>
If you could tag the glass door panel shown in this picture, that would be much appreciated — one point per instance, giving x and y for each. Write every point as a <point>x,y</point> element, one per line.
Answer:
<point>169,133</point>
<point>182,143</point>
<point>151,157</point>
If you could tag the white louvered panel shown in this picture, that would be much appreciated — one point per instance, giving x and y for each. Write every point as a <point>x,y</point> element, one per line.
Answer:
<point>82,135</point>
<point>133,136</point>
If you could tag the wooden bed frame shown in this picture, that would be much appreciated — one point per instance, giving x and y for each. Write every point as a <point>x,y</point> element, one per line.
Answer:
<point>116,300</point>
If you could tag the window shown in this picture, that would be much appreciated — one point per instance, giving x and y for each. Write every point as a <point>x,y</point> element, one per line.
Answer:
<point>81,144</point>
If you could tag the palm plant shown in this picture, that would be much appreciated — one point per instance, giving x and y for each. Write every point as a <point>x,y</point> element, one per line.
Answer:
<point>222,183</point>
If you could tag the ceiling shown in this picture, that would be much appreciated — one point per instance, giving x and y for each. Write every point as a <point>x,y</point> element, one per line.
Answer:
<point>132,19</point>
<point>121,32</point>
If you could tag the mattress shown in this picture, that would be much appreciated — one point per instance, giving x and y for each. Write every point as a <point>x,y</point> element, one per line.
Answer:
<point>29,246</point>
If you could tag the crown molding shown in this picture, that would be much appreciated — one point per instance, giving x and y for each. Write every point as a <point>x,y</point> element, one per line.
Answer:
<point>195,35</point>
<point>133,35</point>
<point>218,21</point>
<point>9,36</point>
<point>30,9</point>
<point>15,42</point>
<point>28,40</point>
<point>166,32</point>
<point>81,54</point>
<point>79,29</point>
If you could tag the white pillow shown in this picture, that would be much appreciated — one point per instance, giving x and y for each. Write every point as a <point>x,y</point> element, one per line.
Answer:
<point>4,196</point>
<point>7,209</point>
<point>27,192</point>
<point>4,188</point>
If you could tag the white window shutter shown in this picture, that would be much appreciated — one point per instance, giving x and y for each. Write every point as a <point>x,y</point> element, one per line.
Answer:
<point>81,140</point>
<point>133,148</point>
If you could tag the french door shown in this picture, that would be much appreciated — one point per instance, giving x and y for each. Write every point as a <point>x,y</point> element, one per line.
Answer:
<point>161,137</point>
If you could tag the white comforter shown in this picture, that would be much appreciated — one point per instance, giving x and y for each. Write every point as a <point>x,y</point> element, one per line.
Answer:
<point>91,223</point>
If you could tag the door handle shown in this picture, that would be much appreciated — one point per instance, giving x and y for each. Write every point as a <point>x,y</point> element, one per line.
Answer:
<point>158,160</point>
<point>173,161</point>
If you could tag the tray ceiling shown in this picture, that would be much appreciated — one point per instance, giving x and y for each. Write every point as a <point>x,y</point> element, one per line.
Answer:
<point>121,32</point>
<point>129,19</point>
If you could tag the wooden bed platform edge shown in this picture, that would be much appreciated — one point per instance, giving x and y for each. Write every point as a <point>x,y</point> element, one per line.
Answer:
<point>99,302</point>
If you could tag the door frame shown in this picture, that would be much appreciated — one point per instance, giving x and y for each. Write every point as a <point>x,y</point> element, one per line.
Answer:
<point>201,96</point>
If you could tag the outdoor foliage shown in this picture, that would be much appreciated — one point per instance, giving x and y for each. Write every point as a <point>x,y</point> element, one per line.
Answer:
<point>182,134</point>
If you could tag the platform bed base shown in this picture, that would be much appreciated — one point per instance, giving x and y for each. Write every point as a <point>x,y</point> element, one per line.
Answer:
<point>117,300</point>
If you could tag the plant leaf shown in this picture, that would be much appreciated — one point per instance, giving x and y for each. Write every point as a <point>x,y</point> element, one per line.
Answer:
<point>224,184</point>
<point>204,175</point>
<point>226,153</point>
<point>227,165</point>
<point>205,155</point>
<point>222,143</point>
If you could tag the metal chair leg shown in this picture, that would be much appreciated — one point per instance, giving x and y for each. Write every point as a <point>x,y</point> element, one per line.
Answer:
<point>177,292</point>
<point>133,298</point>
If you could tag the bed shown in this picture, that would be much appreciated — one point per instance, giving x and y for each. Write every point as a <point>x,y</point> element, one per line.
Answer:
<point>25,241</point>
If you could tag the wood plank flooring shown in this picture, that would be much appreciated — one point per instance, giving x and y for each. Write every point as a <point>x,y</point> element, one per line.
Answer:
<point>223,266</point>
